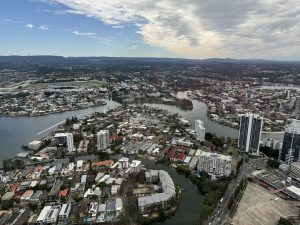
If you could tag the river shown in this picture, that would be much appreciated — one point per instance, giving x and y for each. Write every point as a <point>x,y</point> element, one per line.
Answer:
<point>189,209</point>
<point>18,131</point>
<point>199,111</point>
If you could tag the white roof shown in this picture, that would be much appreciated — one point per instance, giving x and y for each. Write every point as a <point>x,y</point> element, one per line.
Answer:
<point>43,214</point>
<point>35,142</point>
<point>294,189</point>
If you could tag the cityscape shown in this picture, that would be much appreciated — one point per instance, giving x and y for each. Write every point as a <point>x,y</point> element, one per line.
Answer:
<point>139,113</point>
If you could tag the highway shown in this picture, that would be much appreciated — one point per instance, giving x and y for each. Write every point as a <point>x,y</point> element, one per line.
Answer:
<point>220,212</point>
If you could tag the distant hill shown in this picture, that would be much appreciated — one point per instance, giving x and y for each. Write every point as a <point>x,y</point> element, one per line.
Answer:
<point>45,59</point>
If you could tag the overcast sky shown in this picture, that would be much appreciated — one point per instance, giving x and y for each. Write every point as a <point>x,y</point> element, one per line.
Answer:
<point>267,29</point>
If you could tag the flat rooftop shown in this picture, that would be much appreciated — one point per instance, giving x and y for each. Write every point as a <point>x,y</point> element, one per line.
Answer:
<point>260,207</point>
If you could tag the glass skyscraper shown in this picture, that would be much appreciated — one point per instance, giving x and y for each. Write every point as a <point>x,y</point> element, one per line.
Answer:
<point>291,144</point>
<point>250,132</point>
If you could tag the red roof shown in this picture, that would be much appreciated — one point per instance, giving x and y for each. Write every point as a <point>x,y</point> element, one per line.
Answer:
<point>64,193</point>
<point>180,148</point>
<point>172,154</point>
<point>102,163</point>
<point>115,137</point>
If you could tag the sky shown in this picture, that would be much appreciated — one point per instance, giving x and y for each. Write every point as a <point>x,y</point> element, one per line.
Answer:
<point>243,29</point>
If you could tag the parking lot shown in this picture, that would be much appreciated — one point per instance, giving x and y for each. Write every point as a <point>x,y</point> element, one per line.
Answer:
<point>260,207</point>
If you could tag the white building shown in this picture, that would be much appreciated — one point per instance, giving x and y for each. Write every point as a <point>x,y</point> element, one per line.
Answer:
<point>65,140</point>
<point>102,140</point>
<point>43,215</point>
<point>295,168</point>
<point>34,145</point>
<point>135,166</point>
<point>53,215</point>
<point>160,200</point>
<point>250,133</point>
<point>64,214</point>
<point>216,165</point>
<point>123,163</point>
<point>79,166</point>
<point>200,130</point>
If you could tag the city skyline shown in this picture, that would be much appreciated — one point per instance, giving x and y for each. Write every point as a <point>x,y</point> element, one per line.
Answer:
<point>196,29</point>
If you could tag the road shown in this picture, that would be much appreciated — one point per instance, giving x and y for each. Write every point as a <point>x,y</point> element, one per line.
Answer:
<point>220,212</point>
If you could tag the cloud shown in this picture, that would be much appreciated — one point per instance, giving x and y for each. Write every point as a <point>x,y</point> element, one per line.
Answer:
<point>6,20</point>
<point>133,47</point>
<point>94,36</point>
<point>29,26</point>
<point>201,28</point>
<point>44,27</point>
<point>118,26</point>
<point>83,34</point>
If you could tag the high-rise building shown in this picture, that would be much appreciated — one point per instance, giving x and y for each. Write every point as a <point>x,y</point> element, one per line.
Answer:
<point>250,133</point>
<point>135,166</point>
<point>102,140</point>
<point>288,94</point>
<point>65,140</point>
<point>291,144</point>
<point>200,130</point>
<point>297,107</point>
<point>216,165</point>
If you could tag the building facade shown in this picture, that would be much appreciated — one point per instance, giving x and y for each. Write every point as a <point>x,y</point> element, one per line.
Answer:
<point>200,130</point>
<point>216,165</point>
<point>102,140</point>
<point>291,144</point>
<point>65,140</point>
<point>250,133</point>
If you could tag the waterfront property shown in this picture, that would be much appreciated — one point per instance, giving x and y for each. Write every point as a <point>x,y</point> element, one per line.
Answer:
<point>161,200</point>
<point>216,165</point>
<point>250,133</point>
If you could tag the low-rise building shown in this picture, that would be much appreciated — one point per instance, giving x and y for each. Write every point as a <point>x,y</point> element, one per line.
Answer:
<point>64,213</point>
<point>161,200</point>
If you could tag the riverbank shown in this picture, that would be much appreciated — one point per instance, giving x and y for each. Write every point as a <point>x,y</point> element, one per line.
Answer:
<point>45,113</point>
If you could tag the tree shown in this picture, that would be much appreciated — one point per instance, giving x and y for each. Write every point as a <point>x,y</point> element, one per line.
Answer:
<point>208,136</point>
<point>284,221</point>
<point>273,163</point>
<point>7,204</point>
<point>269,152</point>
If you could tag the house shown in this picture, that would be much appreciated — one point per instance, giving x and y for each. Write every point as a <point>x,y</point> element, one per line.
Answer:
<point>27,195</point>
<point>8,195</point>
<point>79,166</point>
<point>114,189</point>
<point>93,192</point>
<point>93,209</point>
<point>77,189</point>
<point>18,217</point>
<point>99,165</point>
<point>54,192</point>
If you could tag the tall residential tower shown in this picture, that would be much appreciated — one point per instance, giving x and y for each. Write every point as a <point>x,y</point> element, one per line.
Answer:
<point>250,132</point>
<point>65,140</point>
<point>102,140</point>
<point>291,144</point>
<point>200,130</point>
